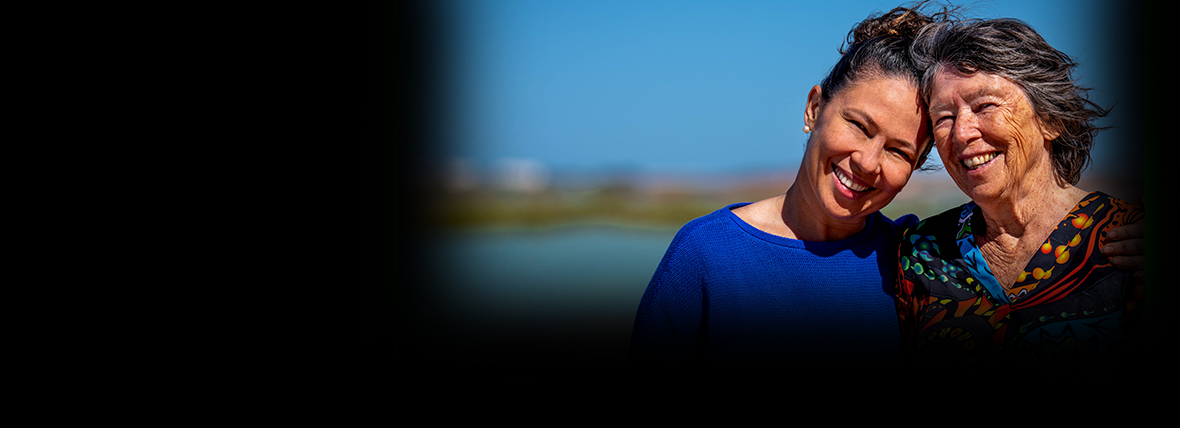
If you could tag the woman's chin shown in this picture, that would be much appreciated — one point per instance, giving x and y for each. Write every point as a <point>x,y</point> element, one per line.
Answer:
<point>845,204</point>
<point>973,187</point>
<point>982,192</point>
<point>985,182</point>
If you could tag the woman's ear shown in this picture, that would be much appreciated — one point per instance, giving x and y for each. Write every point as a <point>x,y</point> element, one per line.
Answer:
<point>811,112</point>
<point>1048,131</point>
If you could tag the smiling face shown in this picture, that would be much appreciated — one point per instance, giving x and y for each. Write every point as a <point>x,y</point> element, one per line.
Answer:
<point>865,143</point>
<point>988,135</point>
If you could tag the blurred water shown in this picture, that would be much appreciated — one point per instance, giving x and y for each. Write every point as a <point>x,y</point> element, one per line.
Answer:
<point>534,294</point>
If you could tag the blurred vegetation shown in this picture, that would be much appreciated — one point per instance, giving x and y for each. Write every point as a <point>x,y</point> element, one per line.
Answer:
<point>613,204</point>
<point>620,202</point>
<point>625,204</point>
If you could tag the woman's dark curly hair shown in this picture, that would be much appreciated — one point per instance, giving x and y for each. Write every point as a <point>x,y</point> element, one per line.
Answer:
<point>1011,49</point>
<point>880,46</point>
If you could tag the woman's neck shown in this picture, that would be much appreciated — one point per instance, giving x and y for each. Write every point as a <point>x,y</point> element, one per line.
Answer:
<point>808,221</point>
<point>1016,228</point>
<point>1035,208</point>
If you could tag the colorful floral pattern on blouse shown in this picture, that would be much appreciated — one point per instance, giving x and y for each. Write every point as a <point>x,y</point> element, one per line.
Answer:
<point>1068,306</point>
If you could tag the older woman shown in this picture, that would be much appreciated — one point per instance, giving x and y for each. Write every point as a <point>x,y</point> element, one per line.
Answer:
<point>1015,276</point>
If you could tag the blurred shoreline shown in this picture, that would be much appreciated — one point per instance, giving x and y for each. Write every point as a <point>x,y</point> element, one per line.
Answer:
<point>524,195</point>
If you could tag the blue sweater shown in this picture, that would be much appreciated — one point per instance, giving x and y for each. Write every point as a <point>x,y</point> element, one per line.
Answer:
<point>728,292</point>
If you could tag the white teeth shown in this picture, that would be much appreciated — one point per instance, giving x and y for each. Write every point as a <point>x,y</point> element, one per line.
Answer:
<point>975,161</point>
<point>848,182</point>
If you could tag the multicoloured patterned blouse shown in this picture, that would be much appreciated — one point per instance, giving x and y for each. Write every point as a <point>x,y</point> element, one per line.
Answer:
<point>1069,307</point>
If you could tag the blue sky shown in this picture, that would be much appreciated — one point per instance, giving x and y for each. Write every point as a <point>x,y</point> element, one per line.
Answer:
<point>681,86</point>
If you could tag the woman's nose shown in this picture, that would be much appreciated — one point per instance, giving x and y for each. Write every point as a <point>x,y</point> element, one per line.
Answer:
<point>965,129</point>
<point>868,159</point>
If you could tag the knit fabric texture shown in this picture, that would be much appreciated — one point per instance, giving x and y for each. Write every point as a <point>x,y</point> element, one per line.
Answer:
<point>728,292</point>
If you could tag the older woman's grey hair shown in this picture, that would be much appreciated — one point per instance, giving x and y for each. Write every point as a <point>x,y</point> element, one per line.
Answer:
<point>1011,49</point>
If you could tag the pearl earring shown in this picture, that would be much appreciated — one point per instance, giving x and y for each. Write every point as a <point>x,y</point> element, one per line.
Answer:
<point>806,129</point>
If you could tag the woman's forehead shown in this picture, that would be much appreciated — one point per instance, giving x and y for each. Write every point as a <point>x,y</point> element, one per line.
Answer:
<point>890,94</point>
<point>949,82</point>
<point>891,104</point>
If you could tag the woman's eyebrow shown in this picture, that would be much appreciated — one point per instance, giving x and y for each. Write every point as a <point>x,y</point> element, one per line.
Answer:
<point>971,96</point>
<point>865,117</point>
<point>981,92</point>
<point>871,124</point>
